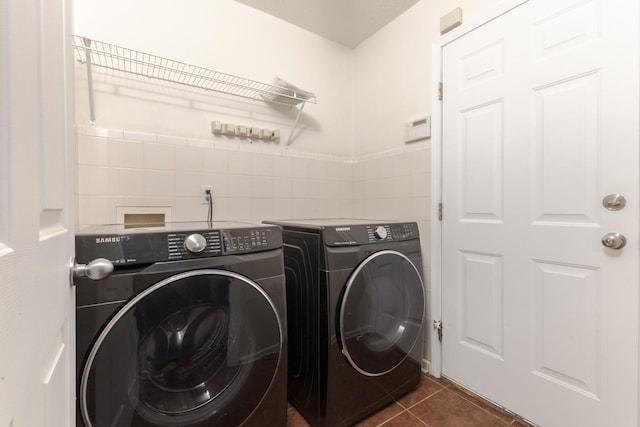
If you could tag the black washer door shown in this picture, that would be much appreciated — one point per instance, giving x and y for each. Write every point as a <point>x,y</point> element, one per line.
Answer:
<point>381,312</point>
<point>198,348</point>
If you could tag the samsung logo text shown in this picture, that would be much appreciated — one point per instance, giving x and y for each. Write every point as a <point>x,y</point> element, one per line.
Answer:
<point>114,239</point>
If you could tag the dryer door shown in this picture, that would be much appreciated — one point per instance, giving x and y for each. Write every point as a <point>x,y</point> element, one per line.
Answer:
<point>198,348</point>
<point>381,313</point>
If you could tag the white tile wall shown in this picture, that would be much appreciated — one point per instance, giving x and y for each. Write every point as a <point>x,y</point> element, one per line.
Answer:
<point>188,184</point>
<point>240,208</point>
<point>126,182</point>
<point>159,156</point>
<point>396,185</point>
<point>219,182</point>
<point>239,162</point>
<point>159,183</point>
<point>138,136</point>
<point>93,210</point>
<point>251,182</point>
<point>261,186</point>
<point>93,151</point>
<point>216,161</point>
<point>282,208</point>
<point>125,154</point>
<point>282,186</point>
<point>189,159</point>
<point>282,166</point>
<point>261,165</point>
<point>93,180</point>
<point>300,187</point>
<point>239,185</point>
<point>300,168</point>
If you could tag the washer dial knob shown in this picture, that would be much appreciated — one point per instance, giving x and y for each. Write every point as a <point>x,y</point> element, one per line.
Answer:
<point>195,243</point>
<point>380,233</point>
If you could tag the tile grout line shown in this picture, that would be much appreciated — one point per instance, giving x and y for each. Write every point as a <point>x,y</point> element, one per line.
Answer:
<point>400,413</point>
<point>486,410</point>
<point>421,400</point>
<point>417,403</point>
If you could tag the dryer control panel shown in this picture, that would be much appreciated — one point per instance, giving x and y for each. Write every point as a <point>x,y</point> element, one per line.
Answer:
<point>348,235</point>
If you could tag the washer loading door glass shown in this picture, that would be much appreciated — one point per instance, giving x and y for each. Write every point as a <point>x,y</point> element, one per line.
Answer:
<point>198,348</point>
<point>381,313</point>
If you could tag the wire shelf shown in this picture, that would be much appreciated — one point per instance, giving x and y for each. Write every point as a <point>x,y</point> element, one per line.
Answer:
<point>118,58</point>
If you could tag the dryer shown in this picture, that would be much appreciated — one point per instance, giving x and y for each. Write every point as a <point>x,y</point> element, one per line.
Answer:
<point>356,304</point>
<point>189,329</point>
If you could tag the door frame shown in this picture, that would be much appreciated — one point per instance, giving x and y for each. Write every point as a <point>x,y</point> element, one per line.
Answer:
<point>435,246</point>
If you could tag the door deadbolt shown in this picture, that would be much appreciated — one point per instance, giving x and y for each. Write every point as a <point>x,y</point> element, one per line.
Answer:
<point>614,240</point>
<point>614,202</point>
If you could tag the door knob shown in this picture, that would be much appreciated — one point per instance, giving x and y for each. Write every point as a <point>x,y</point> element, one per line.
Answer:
<point>614,240</point>
<point>97,269</point>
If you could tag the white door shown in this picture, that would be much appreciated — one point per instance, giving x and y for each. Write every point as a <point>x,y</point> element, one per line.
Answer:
<point>540,123</point>
<point>36,222</point>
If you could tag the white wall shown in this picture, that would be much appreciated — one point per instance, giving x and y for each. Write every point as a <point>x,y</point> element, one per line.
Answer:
<point>393,69</point>
<point>225,36</point>
<point>153,145</point>
<point>393,85</point>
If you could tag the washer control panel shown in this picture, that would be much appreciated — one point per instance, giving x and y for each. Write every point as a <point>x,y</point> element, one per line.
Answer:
<point>240,240</point>
<point>222,242</point>
<point>185,245</point>
<point>131,248</point>
<point>195,243</point>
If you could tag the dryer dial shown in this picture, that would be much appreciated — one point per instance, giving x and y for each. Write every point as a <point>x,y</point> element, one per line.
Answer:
<point>195,243</point>
<point>380,233</point>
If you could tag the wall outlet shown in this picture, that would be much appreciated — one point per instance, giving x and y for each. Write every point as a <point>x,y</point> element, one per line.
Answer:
<point>204,197</point>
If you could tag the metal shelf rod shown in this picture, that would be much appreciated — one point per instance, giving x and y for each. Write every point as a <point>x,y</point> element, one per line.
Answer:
<point>295,125</point>
<point>100,54</point>
<point>142,64</point>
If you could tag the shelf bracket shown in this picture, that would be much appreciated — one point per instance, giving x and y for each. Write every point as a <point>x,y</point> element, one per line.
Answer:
<point>295,124</point>
<point>92,109</point>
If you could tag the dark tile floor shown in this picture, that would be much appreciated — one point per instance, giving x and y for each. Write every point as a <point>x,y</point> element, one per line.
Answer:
<point>435,403</point>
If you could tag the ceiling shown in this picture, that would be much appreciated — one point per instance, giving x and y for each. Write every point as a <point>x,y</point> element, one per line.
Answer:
<point>348,22</point>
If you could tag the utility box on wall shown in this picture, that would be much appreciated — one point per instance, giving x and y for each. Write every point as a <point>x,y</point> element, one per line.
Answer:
<point>417,129</point>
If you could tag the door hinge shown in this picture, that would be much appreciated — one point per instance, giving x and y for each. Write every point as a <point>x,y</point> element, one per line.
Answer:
<point>437,325</point>
<point>440,91</point>
<point>440,211</point>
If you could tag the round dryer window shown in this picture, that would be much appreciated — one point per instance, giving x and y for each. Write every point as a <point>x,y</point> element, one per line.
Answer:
<point>381,313</point>
<point>201,346</point>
